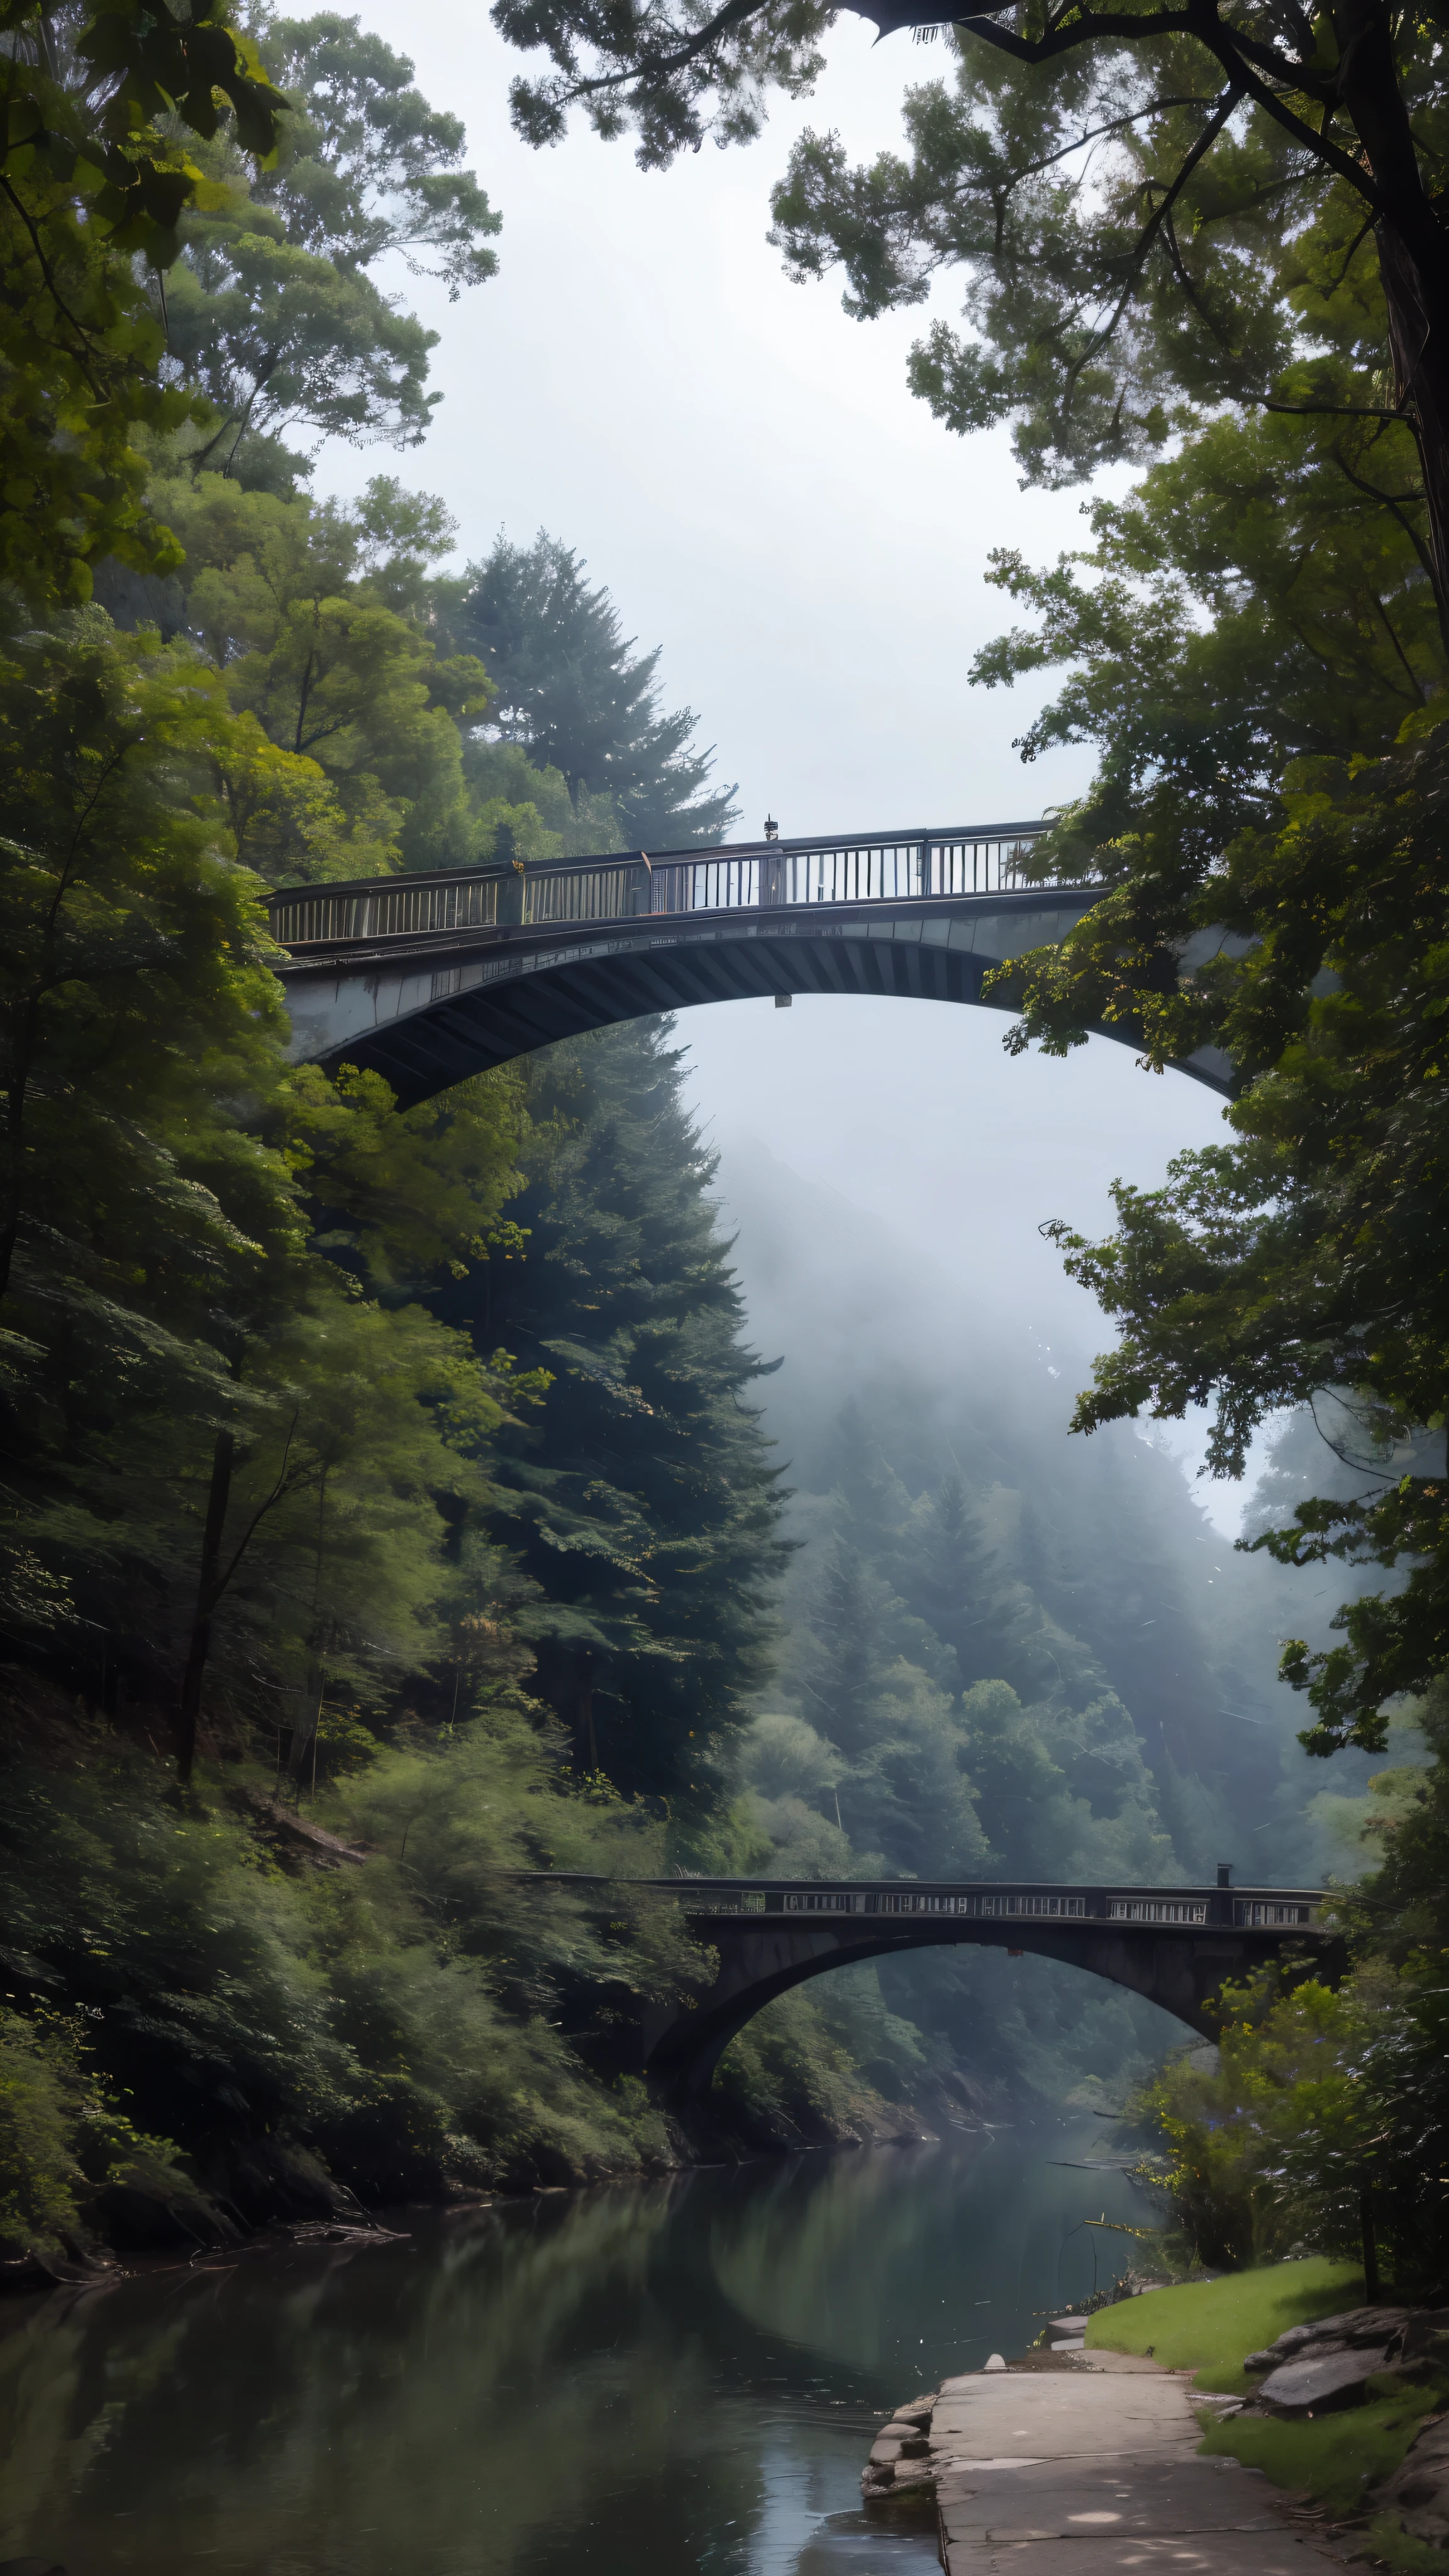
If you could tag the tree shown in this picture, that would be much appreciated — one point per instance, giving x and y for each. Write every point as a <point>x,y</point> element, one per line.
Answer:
<point>273,311</point>
<point>640,1497</point>
<point>1221,143</point>
<point>570,694</point>
<point>209,1435</point>
<point>1245,607</point>
<point>134,1208</point>
<point>89,184</point>
<point>1304,1263</point>
<point>1325,2115</point>
<point>893,1606</point>
<point>312,613</point>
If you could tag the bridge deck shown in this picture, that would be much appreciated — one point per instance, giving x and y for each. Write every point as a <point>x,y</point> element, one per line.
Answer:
<point>427,979</point>
<point>917,1903</point>
<point>1177,1946</point>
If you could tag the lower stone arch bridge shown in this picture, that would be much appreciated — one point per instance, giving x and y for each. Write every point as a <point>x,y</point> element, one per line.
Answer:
<point>428,978</point>
<point>1178,1946</point>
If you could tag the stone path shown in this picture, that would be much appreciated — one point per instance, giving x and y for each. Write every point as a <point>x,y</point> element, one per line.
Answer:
<point>1085,2472</point>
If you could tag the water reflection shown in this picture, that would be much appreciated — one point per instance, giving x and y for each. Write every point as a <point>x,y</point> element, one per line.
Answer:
<point>674,2377</point>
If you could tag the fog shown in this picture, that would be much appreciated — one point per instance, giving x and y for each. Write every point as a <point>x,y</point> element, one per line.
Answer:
<point>883,1170</point>
<point>745,469</point>
<point>738,461</point>
<point>916,1136</point>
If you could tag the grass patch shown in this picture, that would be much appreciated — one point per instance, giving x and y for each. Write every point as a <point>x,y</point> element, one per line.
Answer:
<point>1336,2459</point>
<point>1209,2325</point>
<point>1399,2549</point>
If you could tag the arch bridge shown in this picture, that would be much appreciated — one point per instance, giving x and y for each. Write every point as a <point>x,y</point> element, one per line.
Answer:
<point>427,978</point>
<point>1178,1946</point>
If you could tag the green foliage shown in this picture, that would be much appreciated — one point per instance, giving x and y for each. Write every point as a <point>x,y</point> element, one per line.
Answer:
<point>1252,603</point>
<point>407,1197</point>
<point>251,1461</point>
<point>373,2013</point>
<point>1156,219</point>
<point>135,1000</point>
<point>311,614</point>
<point>639,69</point>
<point>39,2090</point>
<point>272,310</point>
<point>640,1498</point>
<point>987,1683</point>
<point>1254,645</point>
<point>570,695</point>
<point>89,182</point>
<point>256,1478</point>
<point>906,1750</point>
<point>1316,2099</point>
<point>1214,259</point>
<point>526,811</point>
<point>1303,1263</point>
<point>790,2076</point>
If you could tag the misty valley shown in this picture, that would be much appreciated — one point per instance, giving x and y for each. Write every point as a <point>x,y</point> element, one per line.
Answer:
<point>724,1698</point>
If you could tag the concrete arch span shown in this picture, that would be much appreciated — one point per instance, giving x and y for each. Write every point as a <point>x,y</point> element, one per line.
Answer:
<point>426,980</point>
<point>1177,1947</point>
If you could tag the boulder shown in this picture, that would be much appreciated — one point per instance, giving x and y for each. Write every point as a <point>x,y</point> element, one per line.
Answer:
<point>1329,2362</point>
<point>1322,2378</point>
<point>1283,2350</point>
<point>993,2361</point>
<point>1417,2495</point>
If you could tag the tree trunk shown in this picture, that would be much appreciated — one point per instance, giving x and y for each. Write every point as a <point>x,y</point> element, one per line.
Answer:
<point>223,1458</point>
<point>1370,2248</point>
<point>303,1747</point>
<point>1413,251</point>
<point>1420,353</point>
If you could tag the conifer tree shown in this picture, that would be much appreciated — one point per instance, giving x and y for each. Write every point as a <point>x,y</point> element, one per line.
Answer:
<point>640,1496</point>
<point>571,691</point>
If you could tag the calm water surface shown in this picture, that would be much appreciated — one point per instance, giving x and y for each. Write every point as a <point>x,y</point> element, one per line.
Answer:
<point>635,2381</point>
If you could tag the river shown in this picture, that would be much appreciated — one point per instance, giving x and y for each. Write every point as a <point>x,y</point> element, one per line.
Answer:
<point>640,2380</point>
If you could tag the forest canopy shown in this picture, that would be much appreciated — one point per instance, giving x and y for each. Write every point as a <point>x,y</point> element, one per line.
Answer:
<point>389,1510</point>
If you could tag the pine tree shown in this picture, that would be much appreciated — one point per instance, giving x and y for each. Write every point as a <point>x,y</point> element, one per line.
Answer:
<point>640,1497</point>
<point>955,1581</point>
<point>570,693</point>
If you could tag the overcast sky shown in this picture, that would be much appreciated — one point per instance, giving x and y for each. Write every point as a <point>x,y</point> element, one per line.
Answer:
<point>745,469</point>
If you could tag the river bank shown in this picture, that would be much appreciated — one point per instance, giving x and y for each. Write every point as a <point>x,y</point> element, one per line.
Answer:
<point>683,2374</point>
<point>1081,2461</point>
<point>1328,2438</point>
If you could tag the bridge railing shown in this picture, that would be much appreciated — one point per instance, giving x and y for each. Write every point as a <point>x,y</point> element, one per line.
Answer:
<point>889,867</point>
<point>1258,1913</point>
<point>1257,1909</point>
